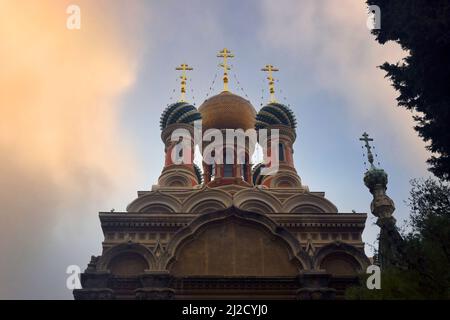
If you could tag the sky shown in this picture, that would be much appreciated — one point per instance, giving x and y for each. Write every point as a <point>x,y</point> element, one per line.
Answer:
<point>79,131</point>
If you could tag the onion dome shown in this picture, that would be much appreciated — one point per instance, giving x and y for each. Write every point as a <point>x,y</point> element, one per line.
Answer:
<point>227,111</point>
<point>179,112</point>
<point>275,114</point>
<point>375,177</point>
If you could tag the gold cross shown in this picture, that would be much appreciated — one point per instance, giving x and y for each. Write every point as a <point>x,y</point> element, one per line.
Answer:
<point>183,67</point>
<point>269,69</point>
<point>225,54</point>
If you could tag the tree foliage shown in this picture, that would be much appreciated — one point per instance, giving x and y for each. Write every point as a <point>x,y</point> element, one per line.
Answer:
<point>422,28</point>
<point>425,271</point>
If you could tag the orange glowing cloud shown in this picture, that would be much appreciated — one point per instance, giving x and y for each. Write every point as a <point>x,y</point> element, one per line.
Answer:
<point>60,86</point>
<point>60,135</point>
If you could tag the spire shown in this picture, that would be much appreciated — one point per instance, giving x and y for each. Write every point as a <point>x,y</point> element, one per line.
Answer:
<point>225,54</point>
<point>374,178</point>
<point>269,69</point>
<point>390,251</point>
<point>183,68</point>
<point>366,139</point>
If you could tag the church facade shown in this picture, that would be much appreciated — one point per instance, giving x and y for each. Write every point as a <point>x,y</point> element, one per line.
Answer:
<point>227,230</point>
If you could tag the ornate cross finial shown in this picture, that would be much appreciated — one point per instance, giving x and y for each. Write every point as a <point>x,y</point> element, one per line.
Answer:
<point>183,67</point>
<point>269,69</point>
<point>366,139</point>
<point>225,54</point>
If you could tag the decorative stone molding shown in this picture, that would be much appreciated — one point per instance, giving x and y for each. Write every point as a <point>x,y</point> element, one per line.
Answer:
<point>155,286</point>
<point>296,252</point>
<point>154,294</point>
<point>143,251</point>
<point>315,286</point>
<point>216,198</point>
<point>95,279</point>
<point>284,179</point>
<point>94,294</point>
<point>209,199</point>
<point>154,198</point>
<point>309,199</point>
<point>177,176</point>
<point>340,247</point>
<point>257,200</point>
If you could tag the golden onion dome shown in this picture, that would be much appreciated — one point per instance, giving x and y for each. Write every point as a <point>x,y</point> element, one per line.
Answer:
<point>227,111</point>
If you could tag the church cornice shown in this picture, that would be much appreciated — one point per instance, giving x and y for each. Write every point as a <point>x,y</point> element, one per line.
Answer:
<point>127,220</point>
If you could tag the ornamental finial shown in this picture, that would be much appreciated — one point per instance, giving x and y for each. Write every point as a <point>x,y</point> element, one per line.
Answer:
<point>225,54</point>
<point>269,69</point>
<point>183,68</point>
<point>366,139</point>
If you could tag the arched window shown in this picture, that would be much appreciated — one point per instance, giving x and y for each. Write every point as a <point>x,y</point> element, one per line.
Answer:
<point>179,152</point>
<point>128,264</point>
<point>228,162</point>
<point>227,170</point>
<point>244,174</point>
<point>281,156</point>
<point>212,167</point>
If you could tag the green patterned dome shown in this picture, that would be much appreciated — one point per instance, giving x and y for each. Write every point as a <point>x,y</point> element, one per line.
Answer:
<point>374,177</point>
<point>275,114</point>
<point>179,112</point>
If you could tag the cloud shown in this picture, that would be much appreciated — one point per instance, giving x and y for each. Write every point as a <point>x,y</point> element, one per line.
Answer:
<point>335,53</point>
<point>330,40</point>
<point>62,155</point>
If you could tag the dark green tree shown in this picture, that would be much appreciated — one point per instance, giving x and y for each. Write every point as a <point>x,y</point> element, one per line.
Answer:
<point>424,272</point>
<point>422,28</point>
<point>428,243</point>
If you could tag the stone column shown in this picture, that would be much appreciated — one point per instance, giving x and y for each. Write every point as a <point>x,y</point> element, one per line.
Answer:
<point>155,286</point>
<point>382,207</point>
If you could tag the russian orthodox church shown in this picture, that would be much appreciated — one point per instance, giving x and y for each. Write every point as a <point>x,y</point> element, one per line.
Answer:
<point>226,230</point>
